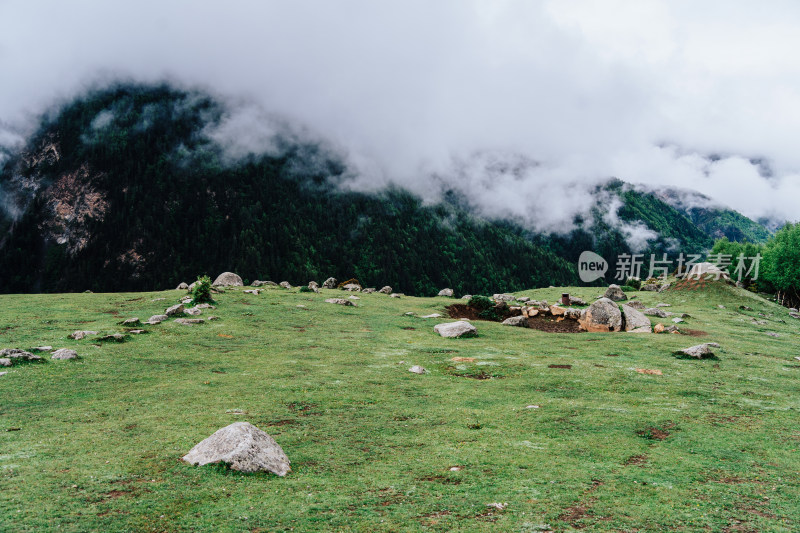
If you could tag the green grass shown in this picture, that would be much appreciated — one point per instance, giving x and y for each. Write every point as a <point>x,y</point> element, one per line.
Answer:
<point>709,445</point>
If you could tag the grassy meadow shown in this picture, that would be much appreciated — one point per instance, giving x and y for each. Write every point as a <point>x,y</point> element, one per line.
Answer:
<point>95,444</point>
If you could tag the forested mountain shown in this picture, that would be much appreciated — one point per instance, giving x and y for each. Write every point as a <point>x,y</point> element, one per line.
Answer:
<point>125,189</point>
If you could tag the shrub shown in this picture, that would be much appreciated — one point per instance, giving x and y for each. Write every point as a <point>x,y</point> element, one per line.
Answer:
<point>628,288</point>
<point>305,288</point>
<point>201,293</point>
<point>636,283</point>
<point>481,302</point>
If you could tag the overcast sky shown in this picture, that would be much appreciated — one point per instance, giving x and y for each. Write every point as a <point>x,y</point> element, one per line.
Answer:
<point>644,90</point>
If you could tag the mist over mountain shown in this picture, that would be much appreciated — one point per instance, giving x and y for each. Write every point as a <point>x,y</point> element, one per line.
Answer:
<point>135,187</point>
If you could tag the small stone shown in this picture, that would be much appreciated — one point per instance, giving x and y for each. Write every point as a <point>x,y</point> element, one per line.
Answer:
<point>182,286</point>
<point>395,295</point>
<point>772,334</point>
<point>131,322</point>
<point>156,319</point>
<point>228,279</point>
<point>518,321</point>
<point>5,361</point>
<point>15,354</point>
<point>663,305</point>
<point>114,337</point>
<point>531,407</point>
<point>329,283</point>
<point>42,349</point>
<point>678,320</point>
<point>650,371</point>
<point>615,293</point>
<point>174,310</point>
<point>416,369</point>
<point>458,329</point>
<point>78,335</point>
<point>252,291</point>
<point>340,301</point>
<point>504,297</point>
<point>64,354</point>
<point>721,306</point>
<point>285,285</point>
<point>3,373</point>
<point>455,469</point>
<point>701,351</point>
<point>212,317</point>
<point>353,298</point>
<point>433,315</point>
<point>446,292</point>
<point>189,321</point>
<point>386,290</point>
<point>137,331</point>
<point>193,311</point>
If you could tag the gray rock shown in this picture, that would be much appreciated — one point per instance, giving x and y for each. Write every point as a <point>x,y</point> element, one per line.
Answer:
<point>663,305</point>
<point>156,319</point>
<point>523,299</point>
<point>446,292</point>
<point>573,314</point>
<point>339,301</point>
<point>5,361</point>
<point>175,310</point>
<point>285,285</point>
<point>386,290</point>
<point>42,349</point>
<point>313,285</point>
<point>368,290</point>
<point>701,351</point>
<point>352,287</point>
<point>518,321</point>
<point>353,298</point>
<point>574,300</point>
<point>416,369</point>
<point>635,304</point>
<point>113,337</point>
<point>602,316</point>
<point>182,286</point>
<point>243,447</point>
<point>189,321</point>
<point>186,300</point>
<point>213,318</point>
<point>330,283</point>
<point>78,335</point>
<point>678,320</point>
<point>772,334</point>
<point>635,321</point>
<point>395,295</point>
<point>205,306</point>
<point>15,355</point>
<point>252,291</point>
<point>650,287</point>
<point>193,311</point>
<point>456,329</point>
<point>3,373</point>
<point>228,279</point>
<point>654,311</point>
<point>504,297</point>
<point>131,322</point>
<point>614,293</point>
<point>664,287</point>
<point>433,315</point>
<point>467,297</point>
<point>64,354</point>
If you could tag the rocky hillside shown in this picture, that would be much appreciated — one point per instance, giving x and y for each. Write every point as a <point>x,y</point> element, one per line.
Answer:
<point>128,189</point>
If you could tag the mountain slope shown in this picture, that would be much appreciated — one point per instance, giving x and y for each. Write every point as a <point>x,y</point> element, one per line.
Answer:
<point>127,188</point>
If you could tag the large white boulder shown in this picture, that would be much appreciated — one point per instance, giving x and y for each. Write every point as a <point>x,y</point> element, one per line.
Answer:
<point>228,279</point>
<point>243,447</point>
<point>456,329</point>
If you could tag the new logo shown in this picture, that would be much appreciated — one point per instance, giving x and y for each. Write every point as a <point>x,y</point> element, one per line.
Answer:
<point>591,267</point>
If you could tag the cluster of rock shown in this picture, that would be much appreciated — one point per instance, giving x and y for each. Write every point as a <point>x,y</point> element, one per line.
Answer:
<point>12,356</point>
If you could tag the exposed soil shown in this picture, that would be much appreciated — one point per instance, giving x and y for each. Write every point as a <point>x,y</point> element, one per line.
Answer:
<point>568,367</point>
<point>636,460</point>
<point>694,332</point>
<point>553,325</point>
<point>472,313</point>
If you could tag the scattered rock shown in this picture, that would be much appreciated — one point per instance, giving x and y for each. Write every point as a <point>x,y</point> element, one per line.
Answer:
<point>329,283</point>
<point>678,320</point>
<point>531,407</point>
<point>446,292</point>
<point>205,306</point>
<point>5,361</point>
<point>556,310</point>
<point>386,290</point>
<point>572,314</point>
<point>650,287</point>
<point>706,271</point>
<point>416,369</point>
<point>503,297</point>
<point>175,310</point>
<point>16,355</point>
<point>614,293</point>
<point>523,299</point>
<point>466,297</point>
<point>602,316</point>
<point>131,322</point>
<point>243,447</point>
<point>701,351</point>
<point>353,298</point>
<point>433,315</point>
<point>3,373</point>
<point>518,321</point>
<point>64,354</point>
<point>635,321</point>
<point>285,285</point>
<point>193,311</point>
<point>636,305</point>
<point>189,321</point>
<point>42,349</point>
<point>721,306</point>
<point>368,290</point>
<point>156,319</point>
<point>313,285</point>
<point>113,337</point>
<point>259,283</point>
<point>461,328</point>
<point>186,300</point>
<point>352,287</point>
<point>745,308</point>
<point>252,291</point>
<point>228,279</point>
<point>654,311</point>
<point>339,301</point>
<point>136,331</point>
<point>182,286</point>
<point>665,287</point>
<point>78,335</point>
<point>574,300</point>
<point>663,305</point>
<point>772,334</point>
<point>395,295</point>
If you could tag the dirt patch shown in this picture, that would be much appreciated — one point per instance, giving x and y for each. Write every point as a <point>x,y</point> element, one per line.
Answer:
<point>573,514</point>
<point>567,367</point>
<point>408,328</point>
<point>552,324</point>
<point>441,479</point>
<point>636,460</point>
<point>472,373</point>
<point>116,494</point>
<point>501,312</point>
<point>463,359</point>
<point>649,371</point>
<point>284,422</point>
<point>656,433</point>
